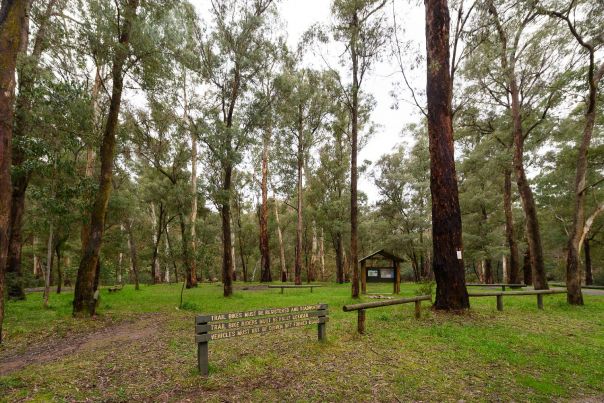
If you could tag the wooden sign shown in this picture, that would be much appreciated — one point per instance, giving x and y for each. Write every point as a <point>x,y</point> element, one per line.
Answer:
<point>225,325</point>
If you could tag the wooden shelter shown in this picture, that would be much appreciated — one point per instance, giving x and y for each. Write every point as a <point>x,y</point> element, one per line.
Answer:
<point>381,267</point>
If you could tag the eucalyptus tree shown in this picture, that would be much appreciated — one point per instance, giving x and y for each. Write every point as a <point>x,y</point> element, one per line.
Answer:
<point>361,26</point>
<point>447,261</point>
<point>518,55</point>
<point>14,23</point>
<point>329,185</point>
<point>264,115</point>
<point>232,55</point>
<point>30,73</point>
<point>304,108</point>
<point>84,298</point>
<point>127,36</point>
<point>583,20</point>
<point>160,141</point>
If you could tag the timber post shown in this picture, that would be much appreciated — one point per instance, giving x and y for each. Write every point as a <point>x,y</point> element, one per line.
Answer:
<point>540,301</point>
<point>500,302</point>
<point>418,307</point>
<point>361,321</point>
<point>201,331</point>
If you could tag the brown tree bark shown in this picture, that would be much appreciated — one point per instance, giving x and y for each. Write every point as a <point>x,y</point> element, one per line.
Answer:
<point>190,277</point>
<point>28,73</point>
<point>514,262</point>
<point>49,254</point>
<point>158,225</point>
<point>488,271</point>
<point>59,266</point>
<point>225,214</point>
<point>13,24</point>
<point>589,278</point>
<point>133,254</point>
<point>265,256</point>
<point>354,175</point>
<point>448,267</point>
<point>338,244</point>
<point>526,268</point>
<point>84,301</point>
<point>90,159</point>
<point>281,247</point>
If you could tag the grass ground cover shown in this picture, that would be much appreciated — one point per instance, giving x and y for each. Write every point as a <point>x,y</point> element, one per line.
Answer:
<point>141,348</point>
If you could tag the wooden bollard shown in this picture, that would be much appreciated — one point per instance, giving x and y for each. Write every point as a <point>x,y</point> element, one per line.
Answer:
<point>361,321</point>
<point>418,311</point>
<point>540,301</point>
<point>500,302</point>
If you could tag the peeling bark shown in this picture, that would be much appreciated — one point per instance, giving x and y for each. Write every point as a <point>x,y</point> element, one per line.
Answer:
<point>451,293</point>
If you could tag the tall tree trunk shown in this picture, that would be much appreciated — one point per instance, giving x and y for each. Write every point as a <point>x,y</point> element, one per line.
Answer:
<point>191,278</point>
<point>133,253</point>
<point>354,134</point>
<point>299,223</point>
<point>59,266</point>
<point>225,214</point>
<point>312,267</point>
<point>157,233</point>
<point>28,72</point>
<point>488,271</point>
<point>49,254</point>
<point>281,247</point>
<point>514,261</point>
<point>573,269</point>
<point>526,268</point>
<point>447,262</point>
<point>194,199</point>
<point>118,274</point>
<point>589,278</point>
<point>533,233</point>
<point>36,262</point>
<point>84,301</point>
<point>338,244</point>
<point>233,256</point>
<point>14,23</point>
<point>265,256</point>
<point>171,253</point>
<point>91,155</point>
<point>240,239</point>
<point>322,254</point>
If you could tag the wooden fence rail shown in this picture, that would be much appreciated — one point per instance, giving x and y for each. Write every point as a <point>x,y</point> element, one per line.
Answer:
<point>502,285</point>
<point>360,308</point>
<point>500,294</point>
<point>311,286</point>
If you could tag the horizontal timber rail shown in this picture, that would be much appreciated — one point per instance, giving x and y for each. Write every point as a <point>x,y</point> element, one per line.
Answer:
<point>501,294</point>
<point>586,287</point>
<point>369,305</point>
<point>311,286</point>
<point>502,285</point>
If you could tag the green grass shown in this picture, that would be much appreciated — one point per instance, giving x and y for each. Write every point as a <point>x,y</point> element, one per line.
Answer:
<point>142,348</point>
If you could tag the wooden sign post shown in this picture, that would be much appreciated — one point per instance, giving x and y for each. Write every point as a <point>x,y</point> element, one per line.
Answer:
<point>235,324</point>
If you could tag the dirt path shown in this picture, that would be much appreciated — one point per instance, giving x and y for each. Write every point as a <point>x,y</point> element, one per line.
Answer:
<point>55,349</point>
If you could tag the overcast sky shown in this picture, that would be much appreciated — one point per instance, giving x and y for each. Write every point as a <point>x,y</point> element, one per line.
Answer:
<point>299,15</point>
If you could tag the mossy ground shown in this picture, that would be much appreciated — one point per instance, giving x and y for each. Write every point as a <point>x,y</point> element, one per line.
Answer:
<point>141,348</point>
